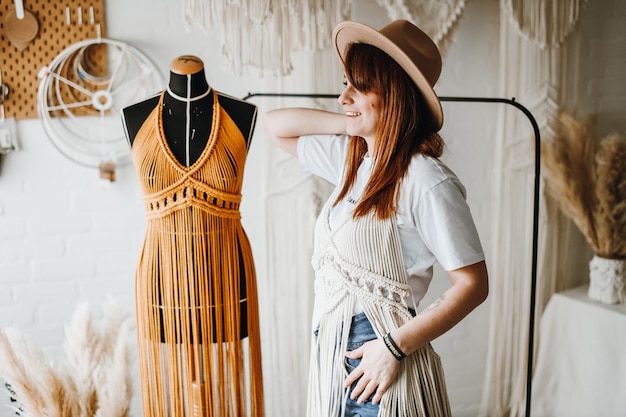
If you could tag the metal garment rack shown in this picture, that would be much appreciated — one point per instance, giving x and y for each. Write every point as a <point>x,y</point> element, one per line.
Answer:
<point>533,282</point>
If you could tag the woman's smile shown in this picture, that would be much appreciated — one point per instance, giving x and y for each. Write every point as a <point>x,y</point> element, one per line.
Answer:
<point>362,111</point>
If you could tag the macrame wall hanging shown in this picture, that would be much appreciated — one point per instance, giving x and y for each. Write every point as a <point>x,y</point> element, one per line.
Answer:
<point>438,18</point>
<point>275,28</point>
<point>544,22</point>
<point>534,53</point>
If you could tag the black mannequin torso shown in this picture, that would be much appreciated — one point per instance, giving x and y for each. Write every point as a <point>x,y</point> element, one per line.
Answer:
<point>187,84</point>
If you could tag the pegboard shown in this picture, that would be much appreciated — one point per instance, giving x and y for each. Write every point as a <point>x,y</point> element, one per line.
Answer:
<point>61,23</point>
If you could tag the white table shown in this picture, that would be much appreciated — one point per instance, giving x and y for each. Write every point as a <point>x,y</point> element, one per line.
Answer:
<point>581,361</point>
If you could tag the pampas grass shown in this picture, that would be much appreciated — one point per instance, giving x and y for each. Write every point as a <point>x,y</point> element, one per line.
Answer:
<point>40,387</point>
<point>588,182</point>
<point>611,192</point>
<point>94,381</point>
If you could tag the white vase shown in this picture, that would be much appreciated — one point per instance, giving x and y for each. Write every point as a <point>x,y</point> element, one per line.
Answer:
<point>607,280</point>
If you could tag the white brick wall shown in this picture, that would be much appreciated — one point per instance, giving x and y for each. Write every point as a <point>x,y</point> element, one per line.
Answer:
<point>65,236</point>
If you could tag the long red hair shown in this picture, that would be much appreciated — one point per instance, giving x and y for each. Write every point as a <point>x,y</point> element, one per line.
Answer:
<point>403,129</point>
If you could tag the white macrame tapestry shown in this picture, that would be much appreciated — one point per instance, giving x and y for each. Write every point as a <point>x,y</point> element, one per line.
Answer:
<point>437,18</point>
<point>275,29</point>
<point>546,23</point>
<point>262,34</point>
<point>534,58</point>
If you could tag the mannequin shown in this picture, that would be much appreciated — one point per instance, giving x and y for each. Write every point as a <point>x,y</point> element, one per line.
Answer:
<point>197,311</point>
<point>188,82</point>
<point>242,112</point>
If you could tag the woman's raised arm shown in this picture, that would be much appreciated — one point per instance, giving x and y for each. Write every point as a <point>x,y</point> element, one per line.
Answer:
<point>286,125</point>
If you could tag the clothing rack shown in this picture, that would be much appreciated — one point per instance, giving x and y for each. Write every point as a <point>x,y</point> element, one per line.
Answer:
<point>533,282</point>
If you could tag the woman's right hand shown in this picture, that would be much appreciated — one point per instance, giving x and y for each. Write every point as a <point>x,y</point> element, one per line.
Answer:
<point>375,373</point>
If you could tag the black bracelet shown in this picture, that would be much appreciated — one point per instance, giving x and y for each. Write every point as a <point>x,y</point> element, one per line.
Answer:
<point>393,348</point>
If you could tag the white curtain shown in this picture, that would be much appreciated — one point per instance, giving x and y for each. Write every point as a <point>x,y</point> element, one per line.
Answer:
<point>533,67</point>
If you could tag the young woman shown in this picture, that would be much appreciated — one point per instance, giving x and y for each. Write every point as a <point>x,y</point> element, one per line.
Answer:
<point>396,210</point>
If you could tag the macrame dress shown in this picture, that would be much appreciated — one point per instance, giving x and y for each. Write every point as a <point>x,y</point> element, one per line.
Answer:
<point>194,274</point>
<point>362,260</point>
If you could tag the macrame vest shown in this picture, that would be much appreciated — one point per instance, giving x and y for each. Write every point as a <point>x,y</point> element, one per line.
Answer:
<point>195,267</point>
<point>362,260</point>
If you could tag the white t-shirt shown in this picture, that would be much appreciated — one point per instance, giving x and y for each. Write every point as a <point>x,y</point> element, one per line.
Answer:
<point>434,220</point>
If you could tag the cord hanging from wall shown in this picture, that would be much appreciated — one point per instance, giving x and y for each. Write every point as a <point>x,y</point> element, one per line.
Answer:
<point>73,78</point>
<point>79,101</point>
<point>31,32</point>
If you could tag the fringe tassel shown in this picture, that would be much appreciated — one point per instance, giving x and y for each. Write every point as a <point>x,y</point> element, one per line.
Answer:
<point>327,372</point>
<point>274,30</point>
<point>420,388</point>
<point>435,17</point>
<point>196,357</point>
<point>545,22</point>
<point>361,260</point>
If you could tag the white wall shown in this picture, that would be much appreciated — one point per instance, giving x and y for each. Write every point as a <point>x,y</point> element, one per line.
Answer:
<point>65,236</point>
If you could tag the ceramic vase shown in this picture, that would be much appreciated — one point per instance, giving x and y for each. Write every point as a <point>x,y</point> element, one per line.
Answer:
<point>607,280</point>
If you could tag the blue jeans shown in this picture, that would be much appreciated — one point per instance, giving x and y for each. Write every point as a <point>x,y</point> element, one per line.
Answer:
<point>361,331</point>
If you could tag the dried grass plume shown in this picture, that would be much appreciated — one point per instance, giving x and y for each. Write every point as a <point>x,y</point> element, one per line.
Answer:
<point>94,381</point>
<point>588,182</point>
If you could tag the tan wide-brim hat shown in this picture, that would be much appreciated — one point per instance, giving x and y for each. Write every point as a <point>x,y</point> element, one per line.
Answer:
<point>406,44</point>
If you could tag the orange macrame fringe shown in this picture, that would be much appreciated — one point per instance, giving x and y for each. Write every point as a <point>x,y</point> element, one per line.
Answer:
<point>195,358</point>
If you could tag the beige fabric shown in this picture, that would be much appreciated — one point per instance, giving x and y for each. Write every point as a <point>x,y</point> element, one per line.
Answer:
<point>195,260</point>
<point>362,260</point>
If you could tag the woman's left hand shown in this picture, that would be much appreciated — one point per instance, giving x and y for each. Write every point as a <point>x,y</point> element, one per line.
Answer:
<point>375,373</point>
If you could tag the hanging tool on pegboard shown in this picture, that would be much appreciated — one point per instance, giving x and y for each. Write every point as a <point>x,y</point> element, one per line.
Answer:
<point>32,31</point>
<point>21,26</point>
<point>8,136</point>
